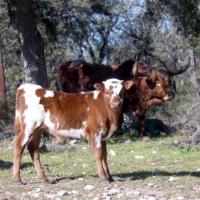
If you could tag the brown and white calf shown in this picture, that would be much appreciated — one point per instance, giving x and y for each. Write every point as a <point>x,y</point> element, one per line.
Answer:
<point>92,115</point>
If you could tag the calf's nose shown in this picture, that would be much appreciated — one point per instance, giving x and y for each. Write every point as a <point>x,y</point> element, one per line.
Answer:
<point>116,102</point>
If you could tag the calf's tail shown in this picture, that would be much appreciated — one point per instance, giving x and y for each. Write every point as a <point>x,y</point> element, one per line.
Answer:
<point>17,123</point>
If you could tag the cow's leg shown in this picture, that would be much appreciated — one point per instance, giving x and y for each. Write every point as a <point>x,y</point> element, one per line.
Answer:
<point>104,162</point>
<point>33,148</point>
<point>141,120</point>
<point>98,153</point>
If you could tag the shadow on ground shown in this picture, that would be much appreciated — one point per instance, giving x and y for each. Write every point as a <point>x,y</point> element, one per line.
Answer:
<point>8,165</point>
<point>147,174</point>
<point>137,175</point>
<point>153,127</point>
<point>5,164</point>
<point>56,180</point>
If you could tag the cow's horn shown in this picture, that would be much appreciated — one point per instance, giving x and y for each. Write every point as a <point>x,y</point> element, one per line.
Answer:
<point>135,66</point>
<point>175,70</point>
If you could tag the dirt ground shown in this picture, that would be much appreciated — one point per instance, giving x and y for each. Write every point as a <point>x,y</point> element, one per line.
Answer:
<point>82,188</point>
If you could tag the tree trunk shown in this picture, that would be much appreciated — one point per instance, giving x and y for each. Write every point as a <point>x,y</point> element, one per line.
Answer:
<point>22,18</point>
<point>193,71</point>
<point>2,75</point>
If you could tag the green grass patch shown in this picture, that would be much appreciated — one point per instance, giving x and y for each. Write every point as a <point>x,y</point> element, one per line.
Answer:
<point>138,160</point>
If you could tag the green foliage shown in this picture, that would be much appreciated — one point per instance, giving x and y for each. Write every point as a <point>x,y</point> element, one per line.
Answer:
<point>111,32</point>
<point>184,88</point>
<point>186,15</point>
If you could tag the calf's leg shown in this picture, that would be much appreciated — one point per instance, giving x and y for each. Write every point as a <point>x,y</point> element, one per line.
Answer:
<point>18,148</point>
<point>33,148</point>
<point>98,153</point>
<point>104,162</point>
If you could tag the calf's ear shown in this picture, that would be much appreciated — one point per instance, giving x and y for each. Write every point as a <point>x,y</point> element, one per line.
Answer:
<point>98,86</point>
<point>127,84</point>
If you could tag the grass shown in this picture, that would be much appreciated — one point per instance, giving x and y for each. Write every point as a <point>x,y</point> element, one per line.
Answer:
<point>138,159</point>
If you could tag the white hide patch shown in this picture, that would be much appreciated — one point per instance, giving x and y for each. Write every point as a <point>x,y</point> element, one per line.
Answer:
<point>84,124</point>
<point>49,93</point>
<point>99,135</point>
<point>48,123</point>
<point>57,124</point>
<point>166,97</point>
<point>116,85</point>
<point>95,94</point>
<point>158,84</point>
<point>71,133</point>
<point>28,87</point>
<point>74,133</point>
<point>17,114</point>
<point>98,138</point>
<point>34,113</point>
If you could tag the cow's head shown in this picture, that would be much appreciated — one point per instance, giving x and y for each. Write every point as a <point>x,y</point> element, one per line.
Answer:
<point>160,83</point>
<point>154,80</point>
<point>161,78</point>
<point>148,90</point>
<point>164,75</point>
<point>113,90</point>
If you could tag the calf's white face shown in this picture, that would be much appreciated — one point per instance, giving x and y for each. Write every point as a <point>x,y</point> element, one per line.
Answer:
<point>113,88</point>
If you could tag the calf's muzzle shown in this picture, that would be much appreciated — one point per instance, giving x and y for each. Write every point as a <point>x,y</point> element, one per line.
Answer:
<point>116,102</point>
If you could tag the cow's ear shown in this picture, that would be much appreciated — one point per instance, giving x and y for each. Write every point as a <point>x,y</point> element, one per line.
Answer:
<point>127,84</point>
<point>98,86</point>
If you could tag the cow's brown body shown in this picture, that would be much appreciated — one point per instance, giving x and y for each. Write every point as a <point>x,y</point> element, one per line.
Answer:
<point>92,115</point>
<point>147,90</point>
<point>76,76</point>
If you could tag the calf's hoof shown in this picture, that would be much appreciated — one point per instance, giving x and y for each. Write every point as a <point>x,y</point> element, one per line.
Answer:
<point>107,179</point>
<point>18,181</point>
<point>110,179</point>
<point>45,180</point>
